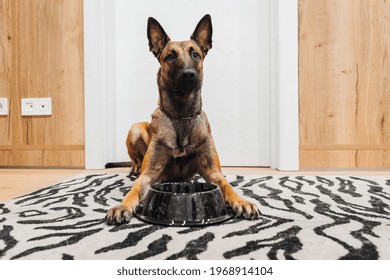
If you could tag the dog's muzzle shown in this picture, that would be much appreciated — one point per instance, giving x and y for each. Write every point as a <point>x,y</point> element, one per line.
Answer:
<point>187,79</point>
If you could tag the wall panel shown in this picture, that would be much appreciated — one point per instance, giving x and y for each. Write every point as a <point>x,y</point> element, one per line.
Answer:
<point>5,68</point>
<point>44,58</point>
<point>344,83</point>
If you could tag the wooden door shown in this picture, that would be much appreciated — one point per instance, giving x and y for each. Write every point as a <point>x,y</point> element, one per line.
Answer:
<point>344,83</point>
<point>41,55</point>
<point>237,81</point>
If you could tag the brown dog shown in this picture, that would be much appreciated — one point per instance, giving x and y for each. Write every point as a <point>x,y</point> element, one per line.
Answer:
<point>177,143</point>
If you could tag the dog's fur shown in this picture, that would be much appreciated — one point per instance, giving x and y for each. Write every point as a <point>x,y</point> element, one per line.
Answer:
<point>177,143</point>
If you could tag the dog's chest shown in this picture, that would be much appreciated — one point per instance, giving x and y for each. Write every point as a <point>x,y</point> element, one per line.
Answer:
<point>183,141</point>
<point>185,138</point>
<point>182,137</point>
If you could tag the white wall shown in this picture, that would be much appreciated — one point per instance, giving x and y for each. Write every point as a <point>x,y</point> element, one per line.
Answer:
<point>284,99</point>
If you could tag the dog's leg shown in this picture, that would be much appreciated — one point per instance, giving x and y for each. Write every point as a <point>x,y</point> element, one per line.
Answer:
<point>153,164</point>
<point>137,143</point>
<point>210,169</point>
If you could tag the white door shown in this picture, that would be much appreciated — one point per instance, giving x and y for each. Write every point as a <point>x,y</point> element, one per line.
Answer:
<point>236,86</point>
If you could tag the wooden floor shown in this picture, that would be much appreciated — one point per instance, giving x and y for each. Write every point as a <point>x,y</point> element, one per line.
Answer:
<point>16,182</point>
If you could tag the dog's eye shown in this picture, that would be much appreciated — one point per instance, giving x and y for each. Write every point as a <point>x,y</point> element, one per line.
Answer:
<point>195,55</point>
<point>170,57</point>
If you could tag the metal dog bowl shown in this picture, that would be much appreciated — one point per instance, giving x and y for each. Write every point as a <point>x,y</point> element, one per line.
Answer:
<point>184,204</point>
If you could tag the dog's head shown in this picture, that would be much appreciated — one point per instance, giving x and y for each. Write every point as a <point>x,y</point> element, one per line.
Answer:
<point>181,62</point>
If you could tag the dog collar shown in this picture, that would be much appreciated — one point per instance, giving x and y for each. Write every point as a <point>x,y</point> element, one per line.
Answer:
<point>183,118</point>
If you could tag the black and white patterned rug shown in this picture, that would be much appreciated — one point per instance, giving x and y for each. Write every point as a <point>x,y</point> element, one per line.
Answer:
<point>303,217</point>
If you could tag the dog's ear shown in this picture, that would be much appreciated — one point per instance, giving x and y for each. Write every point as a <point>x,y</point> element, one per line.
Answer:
<point>157,37</point>
<point>203,34</point>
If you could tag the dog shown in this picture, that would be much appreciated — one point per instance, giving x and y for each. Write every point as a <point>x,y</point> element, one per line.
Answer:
<point>177,143</point>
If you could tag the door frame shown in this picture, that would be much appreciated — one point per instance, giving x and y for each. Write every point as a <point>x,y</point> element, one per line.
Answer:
<point>99,72</point>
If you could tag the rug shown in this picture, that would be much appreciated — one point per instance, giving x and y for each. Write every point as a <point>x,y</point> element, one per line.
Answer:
<point>303,217</point>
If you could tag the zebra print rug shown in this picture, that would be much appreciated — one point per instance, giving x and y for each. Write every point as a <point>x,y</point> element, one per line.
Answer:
<point>303,217</point>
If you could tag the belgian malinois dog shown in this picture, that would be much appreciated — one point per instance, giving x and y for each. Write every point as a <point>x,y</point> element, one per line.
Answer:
<point>177,143</point>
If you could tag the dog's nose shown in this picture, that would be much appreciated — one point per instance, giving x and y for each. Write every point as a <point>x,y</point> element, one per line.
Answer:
<point>188,75</point>
<point>187,79</point>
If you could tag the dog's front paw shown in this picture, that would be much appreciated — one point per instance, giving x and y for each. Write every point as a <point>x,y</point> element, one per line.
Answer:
<point>118,215</point>
<point>245,209</point>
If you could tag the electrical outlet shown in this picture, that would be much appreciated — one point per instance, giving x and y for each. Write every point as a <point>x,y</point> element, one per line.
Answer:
<point>36,107</point>
<point>3,106</point>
